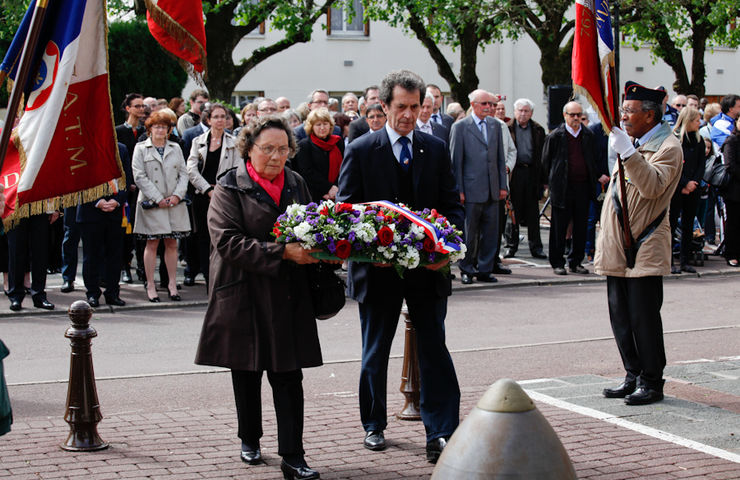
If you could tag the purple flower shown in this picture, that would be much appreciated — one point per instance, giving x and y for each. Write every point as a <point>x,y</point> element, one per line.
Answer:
<point>351,236</point>
<point>318,237</point>
<point>312,205</point>
<point>330,220</point>
<point>354,220</point>
<point>419,246</point>
<point>331,247</point>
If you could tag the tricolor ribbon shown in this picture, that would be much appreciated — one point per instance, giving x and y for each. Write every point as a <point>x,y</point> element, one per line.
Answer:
<point>441,244</point>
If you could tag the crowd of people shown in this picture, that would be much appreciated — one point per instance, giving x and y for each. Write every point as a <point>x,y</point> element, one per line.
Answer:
<point>204,185</point>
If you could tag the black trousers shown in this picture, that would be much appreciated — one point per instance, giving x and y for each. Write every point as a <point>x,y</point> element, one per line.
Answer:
<point>200,232</point>
<point>685,207</point>
<point>287,395</point>
<point>28,241</point>
<point>732,230</point>
<point>525,200</point>
<point>577,198</point>
<point>634,311</point>
<point>101,253</point>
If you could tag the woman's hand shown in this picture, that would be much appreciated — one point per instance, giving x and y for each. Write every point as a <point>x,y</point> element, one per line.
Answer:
<point>296,253</point>
<point>164,203</point>
<point>333,192</point>
<point>173,200</point>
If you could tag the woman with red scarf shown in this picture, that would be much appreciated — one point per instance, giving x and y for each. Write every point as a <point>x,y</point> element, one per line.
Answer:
<point>320,156</point>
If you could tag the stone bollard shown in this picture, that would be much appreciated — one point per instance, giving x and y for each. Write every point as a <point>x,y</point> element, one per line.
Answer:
<point>82,410</point>
<point>504,437</point>
<point>410,373</point>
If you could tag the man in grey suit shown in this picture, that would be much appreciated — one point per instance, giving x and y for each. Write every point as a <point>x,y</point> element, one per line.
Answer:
<point>479,163</point>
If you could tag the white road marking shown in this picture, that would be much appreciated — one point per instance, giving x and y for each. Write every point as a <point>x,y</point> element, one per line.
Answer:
<point>645,430</point>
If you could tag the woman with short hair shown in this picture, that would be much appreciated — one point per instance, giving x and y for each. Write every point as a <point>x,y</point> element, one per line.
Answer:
<point>319,156</point>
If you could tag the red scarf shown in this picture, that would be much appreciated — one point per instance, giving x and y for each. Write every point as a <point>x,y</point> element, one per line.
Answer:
<point>273,188</point>
<point>335,156</point>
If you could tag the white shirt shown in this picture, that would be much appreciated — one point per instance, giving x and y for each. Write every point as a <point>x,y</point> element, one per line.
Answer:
<point>573,132</point>
<point>425,127</point>
<point>393,136</point>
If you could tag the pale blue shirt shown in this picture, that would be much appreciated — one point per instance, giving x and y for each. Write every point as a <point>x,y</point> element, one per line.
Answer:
<point>646,138</point>
<point>393,136</point>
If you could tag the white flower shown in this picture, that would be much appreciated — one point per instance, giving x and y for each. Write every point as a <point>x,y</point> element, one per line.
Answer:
<point>416,232</point>
<point>302,231</point>
<point>295,209</point>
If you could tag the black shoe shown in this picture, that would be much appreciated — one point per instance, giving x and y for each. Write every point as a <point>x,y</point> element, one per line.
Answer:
<point>539,254</point>
<point>675,269</point>
<point>15,305</point>
<point>486,277</point>
<point>501,270</point>
<point>559,271</point>
<point>620,391</point>
<point>687,268</point>
<point>643,396</point>
<point>579,269</point>
<point>67,287</point>
<point>434,449</point>
<point>509,253</point>
<point>374,440</point>
<point>126,276</point>
<point>250,455</point>
<point>43,303</point>
<point>189,281</point>
<point>466,279</point>
<point>299,473</point>
<point>153,299</point>
<point>116,301</point>
<point>174,298</point>
<point>93,302</point>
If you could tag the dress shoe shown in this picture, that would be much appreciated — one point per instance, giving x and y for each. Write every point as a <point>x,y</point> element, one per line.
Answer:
<point>250,455</point>
<point>675,269</point>
<point>175,298</point>
<point>620,391</point>
<point>434,449</point>
<point>43,303</point>
<point>298,473</point>
<point>539,254</point>
<point>501,270</point>
<point>374,440</point>
<point>643,396</point>
<point>15,305</point>
<point>93,302</point>
<point>153,299</point>
<point>67,287</point>
<point>126,276</point>
<point>189,281</point>
<point>687,268</point>
<point>466,279</point>
<point>579,269</point>
<point>486,277</point>
<point>116,301</point>
<point>509,253</point>
<point>559,271</point>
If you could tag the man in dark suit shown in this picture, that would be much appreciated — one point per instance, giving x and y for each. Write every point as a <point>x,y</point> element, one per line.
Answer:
<point>425,124</point>
<point>360,126</point>
<point>479,163</point>
<point>438,116</point>
<point>102,242</point>
<point>399,164</point>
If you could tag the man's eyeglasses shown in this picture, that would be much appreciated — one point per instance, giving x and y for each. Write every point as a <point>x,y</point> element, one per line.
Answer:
<point>270,149</point>
<point>490,104</point>
<point>679,105</point>
<point>627,111</point>
<point>574,114</point>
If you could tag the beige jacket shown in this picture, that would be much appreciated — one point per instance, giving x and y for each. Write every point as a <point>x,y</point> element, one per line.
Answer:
<point>653,172</point>
<point>230,158</point>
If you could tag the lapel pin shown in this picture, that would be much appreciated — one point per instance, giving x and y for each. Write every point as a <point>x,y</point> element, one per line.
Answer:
<point>421,151</point>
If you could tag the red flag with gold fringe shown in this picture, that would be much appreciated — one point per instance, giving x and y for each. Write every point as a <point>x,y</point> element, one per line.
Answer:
<point>178,26</point>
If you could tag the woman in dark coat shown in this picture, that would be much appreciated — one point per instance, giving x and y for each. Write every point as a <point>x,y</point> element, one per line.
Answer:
<point>320,155</point>
<point>260,315</point>
<point>686,197</point>
<point>731,195</point>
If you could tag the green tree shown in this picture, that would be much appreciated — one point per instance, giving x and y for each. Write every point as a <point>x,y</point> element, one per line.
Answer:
<point>670,26</point>
<point>11,14</point>
<point>139,64</point>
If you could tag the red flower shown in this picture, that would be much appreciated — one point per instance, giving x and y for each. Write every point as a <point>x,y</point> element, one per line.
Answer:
<point>429,245</point>
<point>344,248</point>
<point>434,213</point>
<point>324,210</point>
<point>343,207</point>
<point>276,231</point>
<point>385,236</point>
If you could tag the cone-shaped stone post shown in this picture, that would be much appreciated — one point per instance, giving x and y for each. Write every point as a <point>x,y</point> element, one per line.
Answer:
<point>82,411</point>
<point>410,373</point>
<point>504,437</point>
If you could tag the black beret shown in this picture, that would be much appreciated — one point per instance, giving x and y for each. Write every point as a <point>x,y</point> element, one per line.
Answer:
<point>635,91</point>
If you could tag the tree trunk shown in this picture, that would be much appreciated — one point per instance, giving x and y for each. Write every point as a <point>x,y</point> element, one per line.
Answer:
<point>555,63</point>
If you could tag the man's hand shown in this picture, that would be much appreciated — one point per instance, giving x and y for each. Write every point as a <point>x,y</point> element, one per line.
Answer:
<point>438,265</point>
<point>691,186</point>
<point>604,179</point>
<point>54,216</point>
<point>462,198</point>
<point>333,192</point>
<point>502,194</point>
<point>621,143</point>
<point>2,199</point>
<point>296,253</point>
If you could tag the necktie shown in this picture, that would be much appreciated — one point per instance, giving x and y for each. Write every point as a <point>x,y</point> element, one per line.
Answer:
<point>482,126</point>
<point>435,118</point>
<point>636,143</point>
<point>427,127</point>
<point>405,154</point>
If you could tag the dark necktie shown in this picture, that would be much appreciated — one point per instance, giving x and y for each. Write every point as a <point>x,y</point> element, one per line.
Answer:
<point>405,154</point>
<point>435,118</point>
<point>636,143</point>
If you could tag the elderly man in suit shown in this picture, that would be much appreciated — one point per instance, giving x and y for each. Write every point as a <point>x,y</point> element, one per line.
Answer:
<point>400,164</point>
<point>424,122</point>
<point>479,163</point>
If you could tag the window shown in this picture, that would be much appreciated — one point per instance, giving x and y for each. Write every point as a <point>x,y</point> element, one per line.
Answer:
<point>339,22</point>
<point>236,21</point>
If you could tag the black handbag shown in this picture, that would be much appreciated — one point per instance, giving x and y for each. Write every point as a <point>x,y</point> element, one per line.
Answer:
<point>716,173</point>
<point>327,290</point>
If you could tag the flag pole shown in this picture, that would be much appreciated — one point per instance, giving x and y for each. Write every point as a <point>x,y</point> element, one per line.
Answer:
<point>24,69</point>
<point>629,247</point>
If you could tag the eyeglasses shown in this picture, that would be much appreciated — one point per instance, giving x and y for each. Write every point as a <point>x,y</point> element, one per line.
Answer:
<point>627,111</point>
<point>679,105</point>
<point>485,103</point>
<point>270,149</point>
<point>574,114</point>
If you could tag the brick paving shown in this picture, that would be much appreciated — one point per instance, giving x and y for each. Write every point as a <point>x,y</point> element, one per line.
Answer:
<point>201,443</point>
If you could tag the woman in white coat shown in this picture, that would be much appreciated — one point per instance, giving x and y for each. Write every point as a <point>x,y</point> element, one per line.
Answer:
<point>161,176</point>
<point>211,154</point>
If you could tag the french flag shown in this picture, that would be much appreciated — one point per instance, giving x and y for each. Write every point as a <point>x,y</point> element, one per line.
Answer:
<point>65,139</point>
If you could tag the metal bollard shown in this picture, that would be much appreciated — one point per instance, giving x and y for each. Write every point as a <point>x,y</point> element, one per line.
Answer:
<point>82,409</point>
<point>410,374</point>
